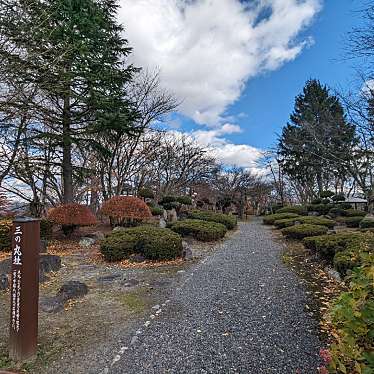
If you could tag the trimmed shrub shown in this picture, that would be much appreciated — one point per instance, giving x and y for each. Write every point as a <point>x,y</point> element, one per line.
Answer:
<point>156,211</point>
<point>316,201</point>
<point>304,230</point>
<point>344,206</point>
<point>353,321</point>
<point>168,199</point>
<point>146,193</point>
<point>228,220</point>
<point>336,212</point>
<point>184,200</point>
<point>326,194</point>
<point>282,223</point>
<point>270,219</point>
<point>307,219</point>
<point>328,245</point>
<point>46,228</point>
<point>5,234</point>
<point>367,223</point>
<point>70,216</point>
<point>126,210</point>
<point>200,230</point>
<point>153,243</point>
<point>352,222</point>
<point>354,213</point>
<point>338,197</point>
<point>320,208</point>
<point>297,209</point>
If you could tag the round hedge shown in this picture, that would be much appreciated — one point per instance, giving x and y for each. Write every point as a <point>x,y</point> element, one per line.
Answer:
<point>367,223</point>
<point>270,219</point>
<point>297,209</point>
<point>354,213</point>
<point>156,211</point>
<point>352,222</point>
<point>200,230</point>
<point>228,220</point>
<point>304,230</point>
<point>307,219</point>
<point>154,243</point>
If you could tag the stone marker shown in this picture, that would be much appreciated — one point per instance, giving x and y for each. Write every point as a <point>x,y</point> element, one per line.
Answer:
<point>24,289</point>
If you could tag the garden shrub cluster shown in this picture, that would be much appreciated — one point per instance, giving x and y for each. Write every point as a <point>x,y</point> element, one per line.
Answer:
<point>153,243</point>
<point>297,209</point>
<point>270,219</point>
<point>304,230</point>
<point>46,228</point>
<point>156,211</point>
<point>305,219</point>
<point>229,221</point>
<point>352,222</point>
<point>353,319</point>
<point>354,213</point>
<point>200,230</point>
<point>367,223</point>
<point>5,234</point>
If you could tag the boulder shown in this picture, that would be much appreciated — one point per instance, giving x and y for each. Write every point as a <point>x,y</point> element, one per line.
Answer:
<point>162,223</point>
<point>48,263</point>
<point>5,266</point>
<point>72,290</point>
<point>4,282</point>
<point>109,278</point>
<point>52,304</point>
<point>172,216</point>
<point>136,258</point>
<point>87,241</point>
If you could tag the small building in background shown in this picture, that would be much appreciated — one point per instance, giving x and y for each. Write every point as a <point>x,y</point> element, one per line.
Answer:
<point>357,203</point>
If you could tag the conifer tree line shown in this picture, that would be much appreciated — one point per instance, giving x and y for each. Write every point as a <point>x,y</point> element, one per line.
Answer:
<point>77,120</point>
<point>328,143</point>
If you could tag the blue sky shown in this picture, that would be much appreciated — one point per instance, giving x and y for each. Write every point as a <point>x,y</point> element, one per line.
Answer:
<point>268,99</point>
<point>237,68</point>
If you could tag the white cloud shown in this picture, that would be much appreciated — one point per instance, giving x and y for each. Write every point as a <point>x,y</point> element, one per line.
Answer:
<point>208,49</point>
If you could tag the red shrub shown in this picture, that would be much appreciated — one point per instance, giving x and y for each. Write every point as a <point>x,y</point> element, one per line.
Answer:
<point>126,208</point>
<point>70,216</point>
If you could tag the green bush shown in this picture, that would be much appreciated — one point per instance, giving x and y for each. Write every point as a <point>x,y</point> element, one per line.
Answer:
<point>344,206</point>
<point>304,230</point>
<point>320,208</point>
<point>156,211</point>
<point>352,317</point>
<point>367,223</point>
<point>336,212</point>
<point>46,228</point>
<point>200,230</point>
<point>316,201</point>
<point>354,213</point>
<point>328,245</point>
<point>305,219</point>
<point>228,220</point>
<point>297,209</point>
<point>146,193</point>
<point>287,222</point>
<point>5,234</point>
<point>351,221</point>
<point>184,200</point>
<point>347,259</point>
<point>153,243</point>
<point>326,194</point>
<point>338,197</point>
<point>270,219</point>
<point>168,199</point>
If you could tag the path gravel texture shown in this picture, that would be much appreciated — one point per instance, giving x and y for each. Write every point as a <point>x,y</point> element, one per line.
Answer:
<point>238,311</point>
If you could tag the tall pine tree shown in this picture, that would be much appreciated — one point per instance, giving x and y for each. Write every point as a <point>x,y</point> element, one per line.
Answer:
<point>72,54</point>
<point>316,144</point>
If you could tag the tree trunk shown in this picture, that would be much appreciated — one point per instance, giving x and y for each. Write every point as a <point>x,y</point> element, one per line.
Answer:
<point>67,167</point>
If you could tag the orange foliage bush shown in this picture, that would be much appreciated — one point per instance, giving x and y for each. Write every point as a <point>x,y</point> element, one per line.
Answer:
<point>124,208</point>
<point>72,215</point>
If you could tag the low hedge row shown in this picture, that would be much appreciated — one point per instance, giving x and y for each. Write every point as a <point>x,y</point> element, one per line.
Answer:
<point>229,221</point>
<point>270,219</point>
<point>153,243</point>
<point>297,209</point>
<point>352,222</point>
<point>303,231</point>
<point>200,230</point>
<point>305,219</point>
<point>367,223</point>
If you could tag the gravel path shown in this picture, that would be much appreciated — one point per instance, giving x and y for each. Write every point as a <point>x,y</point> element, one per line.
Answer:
<point>239,311</point>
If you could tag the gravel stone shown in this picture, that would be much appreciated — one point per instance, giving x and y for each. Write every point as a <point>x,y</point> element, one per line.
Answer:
<point>242,311</point>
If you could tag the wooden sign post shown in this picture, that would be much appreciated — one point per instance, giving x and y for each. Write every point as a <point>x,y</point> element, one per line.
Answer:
<point>24,289</point>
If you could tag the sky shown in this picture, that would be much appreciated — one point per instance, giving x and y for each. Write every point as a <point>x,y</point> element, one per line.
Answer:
<point>236,66</point>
